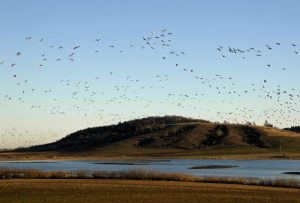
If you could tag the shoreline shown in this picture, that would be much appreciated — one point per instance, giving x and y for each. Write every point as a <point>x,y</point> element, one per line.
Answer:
<point>52,156</point>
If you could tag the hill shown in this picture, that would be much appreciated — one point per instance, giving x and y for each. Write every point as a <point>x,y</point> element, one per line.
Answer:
<point>102,136</point>
<point>176,136</point>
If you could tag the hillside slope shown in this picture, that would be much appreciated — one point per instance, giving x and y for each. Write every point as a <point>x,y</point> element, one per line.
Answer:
<point>172,132</point>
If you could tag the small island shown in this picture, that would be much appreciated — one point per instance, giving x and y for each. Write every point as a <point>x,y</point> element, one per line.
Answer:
<point>213,167</point>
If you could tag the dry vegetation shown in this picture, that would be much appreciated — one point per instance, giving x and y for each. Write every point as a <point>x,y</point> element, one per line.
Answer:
<point>123,191</point>
<point>140,174</point>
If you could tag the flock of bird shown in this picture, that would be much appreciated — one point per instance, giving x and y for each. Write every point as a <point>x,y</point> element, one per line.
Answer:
<point>85,98</point>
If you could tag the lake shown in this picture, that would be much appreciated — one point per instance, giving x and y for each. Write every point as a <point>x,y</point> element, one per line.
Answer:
<point>243,168</point>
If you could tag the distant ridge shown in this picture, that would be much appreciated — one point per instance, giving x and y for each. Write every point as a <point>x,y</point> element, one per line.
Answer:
<point>295,129</point>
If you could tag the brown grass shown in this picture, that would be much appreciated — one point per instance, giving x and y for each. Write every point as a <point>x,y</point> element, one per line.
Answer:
<point>141,174</point>
<point>280,182</point>
<point>32,174</point>
<point>124,153</point>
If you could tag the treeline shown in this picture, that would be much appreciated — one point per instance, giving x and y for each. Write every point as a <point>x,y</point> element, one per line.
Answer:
<point>295,129</point>
<point>100,136</point>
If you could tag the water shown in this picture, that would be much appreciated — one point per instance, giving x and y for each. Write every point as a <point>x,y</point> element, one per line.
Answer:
<point>245,168</point>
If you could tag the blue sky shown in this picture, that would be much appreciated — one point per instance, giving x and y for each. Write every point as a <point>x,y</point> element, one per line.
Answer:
<point>198,29</point>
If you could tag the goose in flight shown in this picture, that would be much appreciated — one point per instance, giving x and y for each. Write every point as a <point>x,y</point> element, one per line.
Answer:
<point>71,54</point>
<point>269,47</point>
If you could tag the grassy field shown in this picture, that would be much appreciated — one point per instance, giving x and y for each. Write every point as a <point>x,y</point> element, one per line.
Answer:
<point>70,190</point>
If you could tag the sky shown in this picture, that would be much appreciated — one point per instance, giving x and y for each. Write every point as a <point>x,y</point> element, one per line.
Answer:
<point>51,92</point>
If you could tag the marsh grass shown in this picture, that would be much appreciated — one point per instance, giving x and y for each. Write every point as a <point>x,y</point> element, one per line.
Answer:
<point>32,174</point>
<point>280,182</point>
<point>141,174</point>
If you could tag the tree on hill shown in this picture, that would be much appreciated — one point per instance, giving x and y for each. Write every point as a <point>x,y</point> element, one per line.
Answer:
<point>267,124</point>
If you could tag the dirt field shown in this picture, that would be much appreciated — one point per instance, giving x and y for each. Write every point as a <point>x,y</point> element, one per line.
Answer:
<point>123,191</point>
